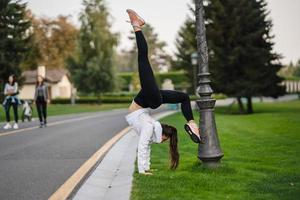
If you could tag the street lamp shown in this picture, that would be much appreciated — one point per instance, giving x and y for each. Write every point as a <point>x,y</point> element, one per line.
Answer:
<point>194,60</point>
<point>209,153</point>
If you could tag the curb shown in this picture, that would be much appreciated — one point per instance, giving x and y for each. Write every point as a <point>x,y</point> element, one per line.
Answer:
<point>73,184</point>
<point>112,177</point>
<point>66,190</point>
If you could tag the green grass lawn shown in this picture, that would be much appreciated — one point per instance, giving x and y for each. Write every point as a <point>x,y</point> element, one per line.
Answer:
<point>62,109</point>
<point>261,159</point>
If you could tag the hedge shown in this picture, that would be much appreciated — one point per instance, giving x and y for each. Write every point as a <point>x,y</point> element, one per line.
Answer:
<point>179,78</point>
<point>292,78</point>
<point>95,100</point>
<point>116,98</point>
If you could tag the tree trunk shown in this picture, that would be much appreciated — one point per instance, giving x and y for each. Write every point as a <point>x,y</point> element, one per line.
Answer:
<point>241,105</point>
<point>249,105</point>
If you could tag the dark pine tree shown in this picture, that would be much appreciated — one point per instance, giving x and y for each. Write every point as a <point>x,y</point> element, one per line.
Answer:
<point>15,39</point>
<point>242,60</point>
<point>186,45</point>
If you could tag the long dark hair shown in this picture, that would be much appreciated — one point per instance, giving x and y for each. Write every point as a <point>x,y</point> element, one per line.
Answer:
<point>14,79</point>
<point>171,132</point>
<point>37,81</point>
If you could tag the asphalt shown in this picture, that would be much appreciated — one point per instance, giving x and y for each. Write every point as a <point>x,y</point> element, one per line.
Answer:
<point>34,163</point>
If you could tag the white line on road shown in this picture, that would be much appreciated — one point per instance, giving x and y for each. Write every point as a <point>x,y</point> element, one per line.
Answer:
<point>50,124</point>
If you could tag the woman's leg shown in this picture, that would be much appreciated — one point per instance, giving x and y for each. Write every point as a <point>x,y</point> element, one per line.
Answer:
<point>149,90</point>
<point>171,96</point>
<point>16,114</point>
<point>7,113</point>
<point>45,112</point>
<point>38,108</point>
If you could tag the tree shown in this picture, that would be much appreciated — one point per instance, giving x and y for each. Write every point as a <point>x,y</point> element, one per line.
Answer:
<point>15,37</point>
<point>157,55</point>
<point>91,68</point>
<point>242,57</point>
<point>33,55</point>
<point>54,41</point>
<point>289,70</point>
<point>186,45</point>
<point>122,61</point>
<point>242,60</point>
<point>297,69</point>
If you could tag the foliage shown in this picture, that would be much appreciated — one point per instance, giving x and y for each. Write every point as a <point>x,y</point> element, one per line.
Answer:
<point>237,31</point>
<point>178,78</point>
<point>91,68</point>
<point>240,31</point>
<point>186,45</point>
<point>54,41</point>
<point>158,57</point>
<point>15,37</point>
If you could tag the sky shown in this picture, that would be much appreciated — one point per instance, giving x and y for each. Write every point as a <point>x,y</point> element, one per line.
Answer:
<point>167,17</point>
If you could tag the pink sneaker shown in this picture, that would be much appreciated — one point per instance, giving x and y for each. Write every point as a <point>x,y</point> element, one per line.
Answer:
<point>193,130</point>
<point>135,19</point>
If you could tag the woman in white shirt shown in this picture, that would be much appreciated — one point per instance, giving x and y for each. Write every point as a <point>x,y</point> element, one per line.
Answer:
<point>150,96</point>
<point>11,92</point>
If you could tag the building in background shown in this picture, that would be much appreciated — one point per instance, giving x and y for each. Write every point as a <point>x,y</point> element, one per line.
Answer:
<point>57,80</point>
<point>292,86</point>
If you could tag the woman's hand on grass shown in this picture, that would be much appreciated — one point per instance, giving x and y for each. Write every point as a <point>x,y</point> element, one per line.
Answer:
<point>147,173</point>
<point>152,170</point>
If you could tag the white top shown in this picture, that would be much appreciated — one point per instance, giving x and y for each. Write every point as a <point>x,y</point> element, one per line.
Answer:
<point>149,130</point>
<point>10,89</point>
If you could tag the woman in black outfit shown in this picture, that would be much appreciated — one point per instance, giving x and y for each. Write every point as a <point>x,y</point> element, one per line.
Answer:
<point>150,96</point>
<point>41,98</point>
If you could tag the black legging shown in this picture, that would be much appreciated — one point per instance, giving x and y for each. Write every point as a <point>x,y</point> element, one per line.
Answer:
<point>41,106</point>
<point>150,95</point>
<point>15,108</point>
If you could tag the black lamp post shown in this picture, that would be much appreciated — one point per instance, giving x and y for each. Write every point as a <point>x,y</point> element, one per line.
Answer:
<point>209,153</point>
<point>194,60</point>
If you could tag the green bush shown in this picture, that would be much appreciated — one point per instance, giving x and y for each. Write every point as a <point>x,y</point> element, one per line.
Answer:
<point>95,100</point>
<point>215,96</point>
<point>90,100</point>
<point>178,78</point>
<point>118,97</point>
<point>127,76</point>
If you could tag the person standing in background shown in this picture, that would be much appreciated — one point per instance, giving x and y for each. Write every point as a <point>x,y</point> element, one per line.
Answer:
<point>11,92</point>
<point>41,98</point>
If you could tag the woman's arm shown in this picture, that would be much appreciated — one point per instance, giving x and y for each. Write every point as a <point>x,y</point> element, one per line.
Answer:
<point>5,89</point>
<point>16,88</point>
<point>46,92</point>
<point>35,94</point>
<point>144,147</point>
<point>148,156</point>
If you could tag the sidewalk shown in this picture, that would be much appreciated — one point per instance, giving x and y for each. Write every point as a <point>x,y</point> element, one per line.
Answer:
<point>112,178</point>
<point>229,101</point>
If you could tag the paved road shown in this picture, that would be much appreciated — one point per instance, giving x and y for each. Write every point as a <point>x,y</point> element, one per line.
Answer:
<point>35,163</point>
